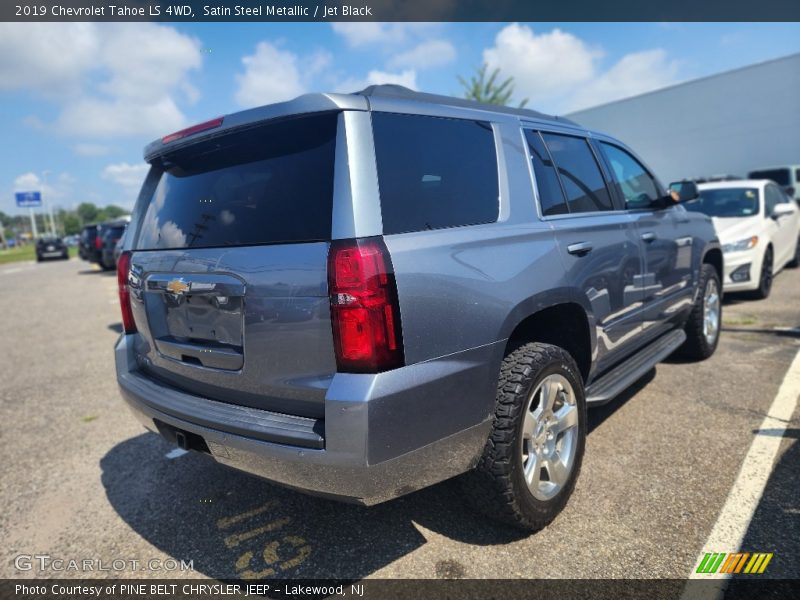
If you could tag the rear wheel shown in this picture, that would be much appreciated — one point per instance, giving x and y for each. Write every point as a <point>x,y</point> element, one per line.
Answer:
<point>765,279</point>
<point>704,323</point>
<point>533,456</point>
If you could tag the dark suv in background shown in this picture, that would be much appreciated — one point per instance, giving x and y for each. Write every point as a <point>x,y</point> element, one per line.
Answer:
<point>86,243</point>
<point>362,295</point>
<point>97,242</point>
<point>108,235</point>
<point>50,246</point>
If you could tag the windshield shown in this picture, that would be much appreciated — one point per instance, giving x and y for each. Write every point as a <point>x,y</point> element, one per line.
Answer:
<point>779,176</point>
<point>269,184</point>
<point>726,202</point>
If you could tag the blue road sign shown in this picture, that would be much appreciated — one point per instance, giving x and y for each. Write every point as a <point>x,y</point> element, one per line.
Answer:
<point>28,199</point>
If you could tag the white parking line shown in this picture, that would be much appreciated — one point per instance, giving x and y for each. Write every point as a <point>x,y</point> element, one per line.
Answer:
<point>743,499</point>
<point>176,453</point>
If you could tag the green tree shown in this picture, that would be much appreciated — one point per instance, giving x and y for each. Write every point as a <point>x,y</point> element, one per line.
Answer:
<point>487,89</point>
<point>87,212</point>
<point>71,223</point>
<point>114,212</point>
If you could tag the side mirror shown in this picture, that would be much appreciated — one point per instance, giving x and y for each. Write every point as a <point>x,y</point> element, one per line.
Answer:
<point>789,191</point>
<point>683,191</point>
<point>781,210</point>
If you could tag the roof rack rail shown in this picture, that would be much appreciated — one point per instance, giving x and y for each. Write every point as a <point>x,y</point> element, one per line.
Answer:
<point>403,93</point>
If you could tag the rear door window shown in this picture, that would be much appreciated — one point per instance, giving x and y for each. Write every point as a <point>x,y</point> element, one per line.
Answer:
<point>637,185</point>
<point>434,172</point>
<point>579,173</point>
<point>269,184</point>
<point>551,195</point>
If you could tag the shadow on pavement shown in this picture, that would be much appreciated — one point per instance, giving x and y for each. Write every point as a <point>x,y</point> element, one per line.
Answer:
<point>775,526</point>
<point>234,525</point>
<point>115,327</point>
<point>91,271</point>
<point>599,414</point>
<point>792,333</point>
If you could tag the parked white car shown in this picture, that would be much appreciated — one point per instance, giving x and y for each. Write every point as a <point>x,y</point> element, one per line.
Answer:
<point>758,225</point>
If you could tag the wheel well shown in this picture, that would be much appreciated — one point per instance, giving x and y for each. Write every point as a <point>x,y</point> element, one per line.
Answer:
<point>564,325</point>
<point>714,258</point>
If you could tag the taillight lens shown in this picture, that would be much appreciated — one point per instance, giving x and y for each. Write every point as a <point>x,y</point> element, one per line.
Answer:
<point>98,243</point>
<point>364,308</point>
<point>212,124</point>
<point>123,270</point>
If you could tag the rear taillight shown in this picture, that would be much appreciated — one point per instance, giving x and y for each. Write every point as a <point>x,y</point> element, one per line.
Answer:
<point>212,124</point>
<point>123,270</point>
<point>98,243</point>
<point>364,308</point>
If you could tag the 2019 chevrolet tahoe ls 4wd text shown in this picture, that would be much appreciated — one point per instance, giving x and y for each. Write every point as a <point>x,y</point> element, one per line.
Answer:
<point>360,295</point>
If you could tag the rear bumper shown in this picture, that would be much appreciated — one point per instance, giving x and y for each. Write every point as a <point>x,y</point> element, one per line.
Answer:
<point>383,435</point>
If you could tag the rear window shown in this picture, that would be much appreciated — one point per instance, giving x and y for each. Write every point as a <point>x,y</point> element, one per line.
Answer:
<point>434,172</point>
<point>269,184</point>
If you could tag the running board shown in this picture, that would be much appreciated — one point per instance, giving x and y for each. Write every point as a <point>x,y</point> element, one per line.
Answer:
<point>624,375</point>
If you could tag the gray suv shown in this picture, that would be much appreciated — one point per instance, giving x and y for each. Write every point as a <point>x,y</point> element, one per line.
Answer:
<point>361,295</point>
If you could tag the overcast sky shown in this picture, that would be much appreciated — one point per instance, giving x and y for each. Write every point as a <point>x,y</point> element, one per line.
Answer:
<point>78,101</point>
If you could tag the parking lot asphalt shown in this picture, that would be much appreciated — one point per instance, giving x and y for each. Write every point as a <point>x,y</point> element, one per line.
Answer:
<point>82,480</point>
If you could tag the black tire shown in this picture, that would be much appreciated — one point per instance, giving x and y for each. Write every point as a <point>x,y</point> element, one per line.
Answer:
<point>697,345</point>
<point>38,258</point>
<point>497,487</point>
<point>765,277</point>
<point>795,262</point>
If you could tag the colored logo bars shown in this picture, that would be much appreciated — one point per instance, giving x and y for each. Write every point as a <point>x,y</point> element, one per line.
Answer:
<point>738,562</point>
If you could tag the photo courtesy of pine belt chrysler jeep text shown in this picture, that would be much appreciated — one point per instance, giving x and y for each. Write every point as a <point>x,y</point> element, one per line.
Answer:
<point>360,295</point>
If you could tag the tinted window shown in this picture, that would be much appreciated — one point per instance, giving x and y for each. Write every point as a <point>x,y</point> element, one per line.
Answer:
<point>434,172</point>
<point>726,202</point>
<point>551,196</point>
<point>579,172</point>
<point>269,184</point>
<point>637,186</point>
<point>773,197</point>
<point>779,176</point>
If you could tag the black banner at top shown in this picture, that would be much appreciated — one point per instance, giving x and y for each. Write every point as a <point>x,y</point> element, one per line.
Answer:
<point>399,10</point>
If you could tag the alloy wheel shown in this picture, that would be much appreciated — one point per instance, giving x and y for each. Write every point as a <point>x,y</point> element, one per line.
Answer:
<point>549,436</point>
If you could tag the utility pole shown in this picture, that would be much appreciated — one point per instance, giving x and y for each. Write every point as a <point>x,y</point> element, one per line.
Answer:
<point>34,233</point>
<point>47,202</point>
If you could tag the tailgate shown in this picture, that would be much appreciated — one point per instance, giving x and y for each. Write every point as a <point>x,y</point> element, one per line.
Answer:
<point>249,326</point>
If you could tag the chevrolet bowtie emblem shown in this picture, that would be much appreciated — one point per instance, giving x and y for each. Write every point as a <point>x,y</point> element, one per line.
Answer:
<point>178,286</point>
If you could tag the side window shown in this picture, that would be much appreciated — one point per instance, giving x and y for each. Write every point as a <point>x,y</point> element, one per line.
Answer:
<point>579,173</point>
<point>637,185</point>
<point>435,172</point>
<point>773,196</point>
<point>551,196</point>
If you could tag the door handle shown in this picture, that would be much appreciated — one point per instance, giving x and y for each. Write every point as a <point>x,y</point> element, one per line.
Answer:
<point>580,248</point>
<point>648,236</point>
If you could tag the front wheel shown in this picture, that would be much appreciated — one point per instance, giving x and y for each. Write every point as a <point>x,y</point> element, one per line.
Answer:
<point>765,280</point>
<point>533,456</point>
<point>704,323</point>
